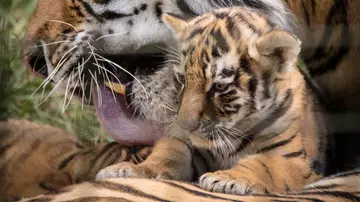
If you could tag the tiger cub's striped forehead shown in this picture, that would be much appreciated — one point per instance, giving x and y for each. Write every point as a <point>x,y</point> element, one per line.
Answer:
<point>215,45</point>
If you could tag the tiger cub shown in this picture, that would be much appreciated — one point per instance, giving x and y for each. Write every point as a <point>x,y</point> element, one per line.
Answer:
<point>246,116</point>
<point>36,159</point>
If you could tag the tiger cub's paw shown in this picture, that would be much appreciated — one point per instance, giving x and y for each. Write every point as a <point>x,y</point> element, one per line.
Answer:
<point>129,170</point>
<point>225,182</point>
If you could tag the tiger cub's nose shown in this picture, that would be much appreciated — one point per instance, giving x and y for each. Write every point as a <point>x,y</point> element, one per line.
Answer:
<point>188,118</point>
<point>188,124</point>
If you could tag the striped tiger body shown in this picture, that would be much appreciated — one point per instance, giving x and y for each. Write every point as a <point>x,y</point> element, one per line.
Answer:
<point>129,33</point>
<point>329,33</point>
<point>35,159</point>
<point>343,187</point>
<point>328,30</point>
<point>244,104</point>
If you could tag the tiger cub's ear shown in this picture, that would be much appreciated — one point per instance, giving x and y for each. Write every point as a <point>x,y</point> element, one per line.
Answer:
<point>277,48</point>
<point>177,25</point>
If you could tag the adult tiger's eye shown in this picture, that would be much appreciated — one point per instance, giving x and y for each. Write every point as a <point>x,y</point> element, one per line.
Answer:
<point>220,86</point>
<point>180,78</point>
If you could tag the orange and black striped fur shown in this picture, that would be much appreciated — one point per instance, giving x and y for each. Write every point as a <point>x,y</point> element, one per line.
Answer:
<point>343,187</point>
<point>36,159</point>
<point>329,33</point>
<point>330,37</point>
<point>245,113</point>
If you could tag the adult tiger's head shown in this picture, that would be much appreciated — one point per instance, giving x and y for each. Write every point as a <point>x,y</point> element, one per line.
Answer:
<point>80,44</point>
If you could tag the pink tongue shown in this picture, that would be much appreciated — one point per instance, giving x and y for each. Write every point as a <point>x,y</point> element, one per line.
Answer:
<point>115,117</point>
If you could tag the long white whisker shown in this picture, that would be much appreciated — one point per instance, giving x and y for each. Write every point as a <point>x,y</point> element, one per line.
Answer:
<point>92,53</point>
<point>66,93</point>
<point>241,134</point>
<point>52,91</point>
<point>72,95</point>
<point>80,69</point>
<point>91,86</point>
<point>107,77</point>
<point>108,72</point>
<point>228,141</point>
<point>60,63</point>
<point>168,106</point>
<point>83,86</point>
<point>49,44</point>
<point>110,35</point>
<point>172,51</point>
<point>98,88</point>
<point>118,66</point>
<point>62,22</point>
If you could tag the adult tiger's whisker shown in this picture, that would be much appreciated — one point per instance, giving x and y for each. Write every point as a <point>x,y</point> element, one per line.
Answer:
<point>49,44</point>
<point>60,63</point>
<point>118,66</point>
<point>51,92</point>
<point>110,35</point>
<point>66,93</point>
<point>62,22</point>
<point>52,74</point>
<point>97,88</point>
<point>72,95</point>
<point>107,77</point>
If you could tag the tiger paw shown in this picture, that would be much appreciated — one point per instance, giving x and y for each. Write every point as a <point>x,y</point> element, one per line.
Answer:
<point>129,170</point>
<point>225,182</point>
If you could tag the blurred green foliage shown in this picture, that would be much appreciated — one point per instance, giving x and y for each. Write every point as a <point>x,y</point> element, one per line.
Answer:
<point>19,97</point>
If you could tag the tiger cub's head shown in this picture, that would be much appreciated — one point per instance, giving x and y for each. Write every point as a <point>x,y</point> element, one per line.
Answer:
<point>236,69</point>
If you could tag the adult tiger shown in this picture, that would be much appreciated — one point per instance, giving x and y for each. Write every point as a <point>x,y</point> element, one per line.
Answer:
<point>84,42</point>
<point>343,187</point>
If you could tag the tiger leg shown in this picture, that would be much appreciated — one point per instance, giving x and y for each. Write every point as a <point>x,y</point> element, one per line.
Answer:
<point>170,159</point>
<point>260,174</point>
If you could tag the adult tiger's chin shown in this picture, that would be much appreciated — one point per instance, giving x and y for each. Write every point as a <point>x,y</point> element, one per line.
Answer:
<point>117,119</point>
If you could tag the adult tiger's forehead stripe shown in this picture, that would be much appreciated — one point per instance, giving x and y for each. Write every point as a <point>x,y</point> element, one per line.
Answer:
<point>112,15</point>
<point>91,12</point>
<point>184,7</point>
<point>102,1</point>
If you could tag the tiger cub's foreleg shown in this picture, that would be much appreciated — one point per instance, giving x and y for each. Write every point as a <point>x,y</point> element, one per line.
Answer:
<point>260,174</point>
<point>170,159</point>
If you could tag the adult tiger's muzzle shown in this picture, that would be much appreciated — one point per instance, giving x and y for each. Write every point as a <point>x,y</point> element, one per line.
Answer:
<point>110,99</point>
